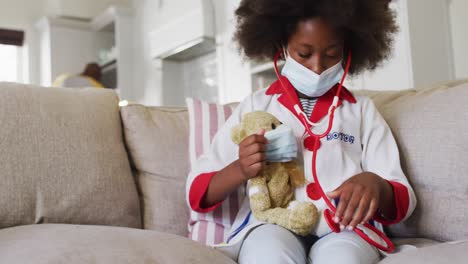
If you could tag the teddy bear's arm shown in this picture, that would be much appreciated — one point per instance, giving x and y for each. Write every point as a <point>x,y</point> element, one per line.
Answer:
<point>296,174</point>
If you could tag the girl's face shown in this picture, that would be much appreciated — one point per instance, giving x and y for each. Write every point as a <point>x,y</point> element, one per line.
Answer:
<point>316,45</point>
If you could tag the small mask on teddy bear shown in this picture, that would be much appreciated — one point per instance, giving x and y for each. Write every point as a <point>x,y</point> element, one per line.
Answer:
<point>271,193</point>
<point>282,145</point>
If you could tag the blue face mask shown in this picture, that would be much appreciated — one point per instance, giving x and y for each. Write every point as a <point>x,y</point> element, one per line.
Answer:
<point>308,82</point>
<point>282,146</point>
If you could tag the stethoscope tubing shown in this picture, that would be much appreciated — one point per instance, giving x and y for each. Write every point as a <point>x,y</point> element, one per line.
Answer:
<point>328,213</point>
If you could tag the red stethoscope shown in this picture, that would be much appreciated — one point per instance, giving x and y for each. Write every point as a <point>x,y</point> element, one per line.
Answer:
<point>387,245</point>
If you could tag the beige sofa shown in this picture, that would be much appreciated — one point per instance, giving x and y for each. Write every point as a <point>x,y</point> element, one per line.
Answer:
<point>83,181</point>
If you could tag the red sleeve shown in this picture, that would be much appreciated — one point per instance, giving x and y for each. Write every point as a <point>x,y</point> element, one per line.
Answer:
<point>401,196</point>
<point>197,192</point>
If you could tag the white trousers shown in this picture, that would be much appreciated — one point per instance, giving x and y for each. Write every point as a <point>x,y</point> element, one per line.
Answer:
<point>272,244</point>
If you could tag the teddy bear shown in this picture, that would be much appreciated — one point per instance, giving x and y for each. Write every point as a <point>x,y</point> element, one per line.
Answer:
<point>271,193</point>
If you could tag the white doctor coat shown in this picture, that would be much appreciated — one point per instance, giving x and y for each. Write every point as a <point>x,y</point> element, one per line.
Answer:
<point>360,140</point>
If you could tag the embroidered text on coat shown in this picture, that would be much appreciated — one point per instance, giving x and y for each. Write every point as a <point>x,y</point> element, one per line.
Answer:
<point>341,136</point>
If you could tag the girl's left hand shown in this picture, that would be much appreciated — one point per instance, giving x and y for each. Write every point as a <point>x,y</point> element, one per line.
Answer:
<point>360,197</point>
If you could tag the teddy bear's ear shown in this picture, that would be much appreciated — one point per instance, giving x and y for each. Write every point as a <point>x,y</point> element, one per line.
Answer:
<point>237,134</point>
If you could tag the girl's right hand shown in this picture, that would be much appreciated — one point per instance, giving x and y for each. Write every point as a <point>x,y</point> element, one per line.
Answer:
<point>252,154</point>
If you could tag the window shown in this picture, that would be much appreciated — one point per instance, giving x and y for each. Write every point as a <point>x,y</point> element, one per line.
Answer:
<point>8,63</point>
<point>10,43</point>
<point>201,77</point>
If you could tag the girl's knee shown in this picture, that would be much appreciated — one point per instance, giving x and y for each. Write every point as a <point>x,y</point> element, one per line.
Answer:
<point>272,244</point>
<point>344,247</point>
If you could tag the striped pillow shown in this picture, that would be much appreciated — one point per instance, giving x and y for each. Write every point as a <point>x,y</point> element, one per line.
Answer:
<point>205,120</point>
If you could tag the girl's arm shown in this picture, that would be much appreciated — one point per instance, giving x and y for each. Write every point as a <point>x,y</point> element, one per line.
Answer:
<point>382,192</point>
<point>226,166</point>
<point>361,197</point>
<point>251,161</point>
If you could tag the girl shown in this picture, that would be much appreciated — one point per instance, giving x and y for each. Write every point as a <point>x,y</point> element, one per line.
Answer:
<point>358,162</point>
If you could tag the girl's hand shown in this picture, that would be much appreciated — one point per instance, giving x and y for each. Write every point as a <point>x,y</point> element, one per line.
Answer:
<point>252,154</point>
<point>360,197</point>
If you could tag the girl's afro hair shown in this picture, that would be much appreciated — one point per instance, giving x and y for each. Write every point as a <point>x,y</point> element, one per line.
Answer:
<point>264,26</point>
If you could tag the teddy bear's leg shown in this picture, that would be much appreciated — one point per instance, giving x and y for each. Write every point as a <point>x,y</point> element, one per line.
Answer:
<point>282,217</point>
<point>303,218</point>
<point>259,195</point>
<point>299,217</point>
<point>279,216</point>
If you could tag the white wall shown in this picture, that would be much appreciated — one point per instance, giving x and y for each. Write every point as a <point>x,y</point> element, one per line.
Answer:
<point>396,72</point>
<point>202,73</point>
<point>235,80</point>
<point>459,23</point>
<point>149,82</point>
<point>148,77</point>
<point>424,29</point>
<point>80,8</point>
<point>422,54</point>
<point>233,77</point>
<point>20,13</point>
<point>431,47</point>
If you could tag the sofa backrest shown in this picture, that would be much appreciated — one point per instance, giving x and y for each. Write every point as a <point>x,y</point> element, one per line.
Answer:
<point>63,159</point>
<point>430,127</point>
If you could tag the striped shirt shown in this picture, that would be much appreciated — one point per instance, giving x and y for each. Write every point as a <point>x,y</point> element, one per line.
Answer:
<point>308,105</point>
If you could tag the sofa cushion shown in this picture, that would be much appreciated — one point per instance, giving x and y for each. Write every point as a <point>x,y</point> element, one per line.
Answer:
<point>408,244</point>
<point>451,252</point>
<point>56,244</point>
<point>63,159</point>
<point>414,242</point>
<point>430,127</point>
<point>157,141</point>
